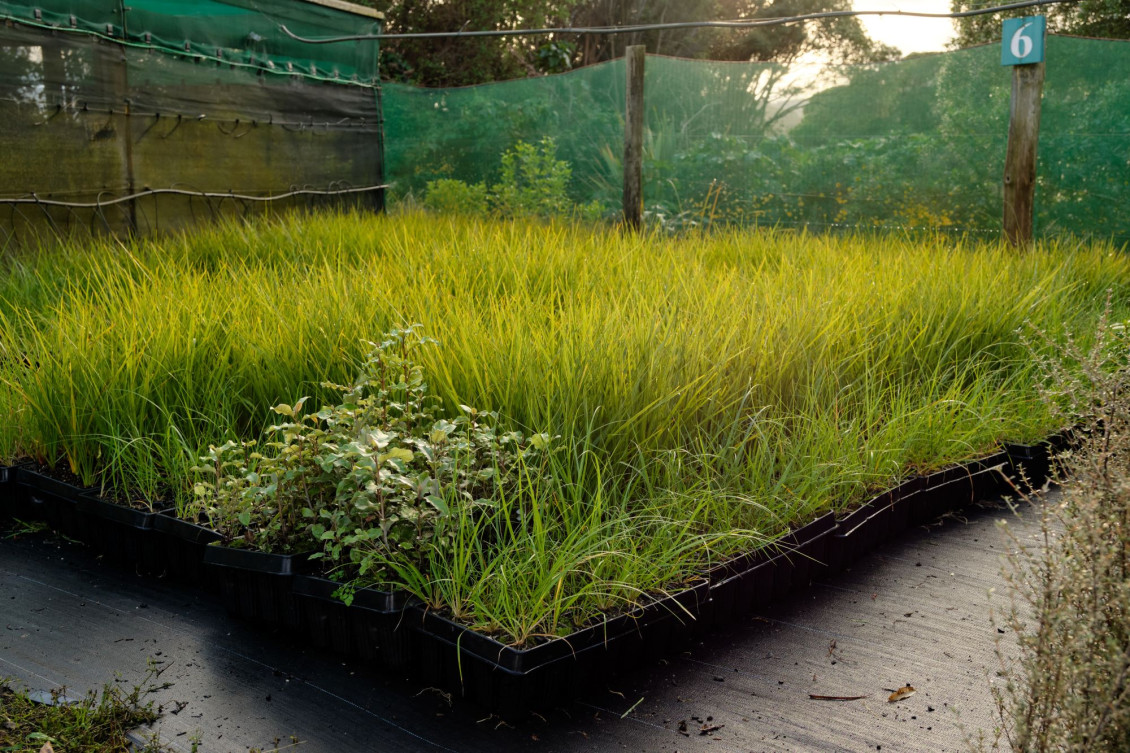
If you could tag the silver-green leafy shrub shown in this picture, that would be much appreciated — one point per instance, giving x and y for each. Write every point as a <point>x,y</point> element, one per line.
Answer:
<point>367,481</point>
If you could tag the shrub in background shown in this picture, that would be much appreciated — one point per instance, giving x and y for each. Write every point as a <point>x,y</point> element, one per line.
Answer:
<point>532,183</point>
<point>449,196</point>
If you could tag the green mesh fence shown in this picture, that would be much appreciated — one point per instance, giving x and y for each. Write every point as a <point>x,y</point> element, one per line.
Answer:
<point>101,100</point>
<point>917,144</point>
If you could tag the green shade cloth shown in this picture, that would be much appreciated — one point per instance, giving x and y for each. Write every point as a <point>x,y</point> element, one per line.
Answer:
<point>236,32</point>
<point>90,120</point>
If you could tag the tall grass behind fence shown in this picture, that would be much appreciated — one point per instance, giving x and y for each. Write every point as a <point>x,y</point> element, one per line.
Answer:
<point>916,144</point>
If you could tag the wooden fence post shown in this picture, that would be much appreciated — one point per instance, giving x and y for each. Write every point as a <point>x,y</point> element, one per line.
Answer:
<point>633,138</point>
<point>1020,160</point>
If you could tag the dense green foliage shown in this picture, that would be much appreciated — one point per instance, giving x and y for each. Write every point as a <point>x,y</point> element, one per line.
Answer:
<point>458,62</point>
<point>1108,19</point>
<point>707,390</point>
<point>369,479</point>
<point>532,183</point>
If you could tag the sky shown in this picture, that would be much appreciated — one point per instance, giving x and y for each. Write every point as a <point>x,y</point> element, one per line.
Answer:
<point>908,34</point>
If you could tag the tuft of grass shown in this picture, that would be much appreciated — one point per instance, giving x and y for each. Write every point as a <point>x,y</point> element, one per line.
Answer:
<point>1067,684</point>
<point>709,390</point>
<point>100,721</point>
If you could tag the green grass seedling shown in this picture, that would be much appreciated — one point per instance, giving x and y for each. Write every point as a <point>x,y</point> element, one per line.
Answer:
<point>709,389</point>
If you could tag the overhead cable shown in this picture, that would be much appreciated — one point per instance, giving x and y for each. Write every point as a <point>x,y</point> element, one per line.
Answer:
<point>632,29</point>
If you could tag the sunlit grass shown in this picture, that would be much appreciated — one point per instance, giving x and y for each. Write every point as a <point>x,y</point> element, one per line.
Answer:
<point>710,390</point>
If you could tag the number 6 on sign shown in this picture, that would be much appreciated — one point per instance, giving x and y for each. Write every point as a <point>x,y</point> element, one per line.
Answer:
<point>1021,45</point>
<point>1022,41</point>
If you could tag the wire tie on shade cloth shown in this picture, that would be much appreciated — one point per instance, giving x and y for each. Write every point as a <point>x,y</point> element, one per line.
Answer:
<point>49,118</point>
<point>234,128</point>
<point>172,130</point>
<point>156,120</point>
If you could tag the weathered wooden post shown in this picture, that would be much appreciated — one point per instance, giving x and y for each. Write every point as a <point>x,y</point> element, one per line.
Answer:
<point>1022,47</point>
<point>633,138</point>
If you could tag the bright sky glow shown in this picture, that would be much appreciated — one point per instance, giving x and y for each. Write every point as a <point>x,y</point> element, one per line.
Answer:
<point>908,34</point>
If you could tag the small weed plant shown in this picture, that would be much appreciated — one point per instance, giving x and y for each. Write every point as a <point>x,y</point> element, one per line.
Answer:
<point>101,721</point>
<point>1068,686</point>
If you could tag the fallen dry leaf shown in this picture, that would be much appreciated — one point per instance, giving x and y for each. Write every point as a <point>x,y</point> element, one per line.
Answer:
<point>47,748</point>
<point>835,697</point>
<point>906,691</point>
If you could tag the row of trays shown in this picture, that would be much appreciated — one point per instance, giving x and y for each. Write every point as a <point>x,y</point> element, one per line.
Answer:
<point>393,630</point>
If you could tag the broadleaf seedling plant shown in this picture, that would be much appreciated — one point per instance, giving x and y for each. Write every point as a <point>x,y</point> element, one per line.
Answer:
<point>371,482</point>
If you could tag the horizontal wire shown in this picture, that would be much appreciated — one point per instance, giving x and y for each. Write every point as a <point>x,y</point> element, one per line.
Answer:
<point>346,123</point>
<point>183,192</point>
<point>735,24</point>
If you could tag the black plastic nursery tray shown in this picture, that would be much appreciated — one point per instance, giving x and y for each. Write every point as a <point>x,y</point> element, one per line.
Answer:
<point>373,627</point>
<point>258,586</point>
<point>390,629</point>
<point>511,681</point>
<point>123,535</point>
<point>36,497</point>
<point>183,544</point>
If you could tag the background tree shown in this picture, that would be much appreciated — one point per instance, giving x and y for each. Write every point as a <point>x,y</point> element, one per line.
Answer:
<point>456,62</point>
<point>843,39</point>
<point>1088,18</point>
<point>459,62</point>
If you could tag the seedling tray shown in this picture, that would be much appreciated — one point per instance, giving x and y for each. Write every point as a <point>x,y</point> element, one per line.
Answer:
<point>257,585</point>
<point>183,543</point>
<point>6,492</point>
<point>373,628</point>
<point>749,582</point>
<point>34,496</point>
<point>390,629</point>
<point>122,535</point>
<point>512,680</point>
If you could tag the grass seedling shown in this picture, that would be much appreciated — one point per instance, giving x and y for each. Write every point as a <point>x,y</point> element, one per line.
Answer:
<point>709,389</point>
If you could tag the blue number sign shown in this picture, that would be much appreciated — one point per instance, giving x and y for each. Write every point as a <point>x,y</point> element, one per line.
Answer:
<point>1023,40</point>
